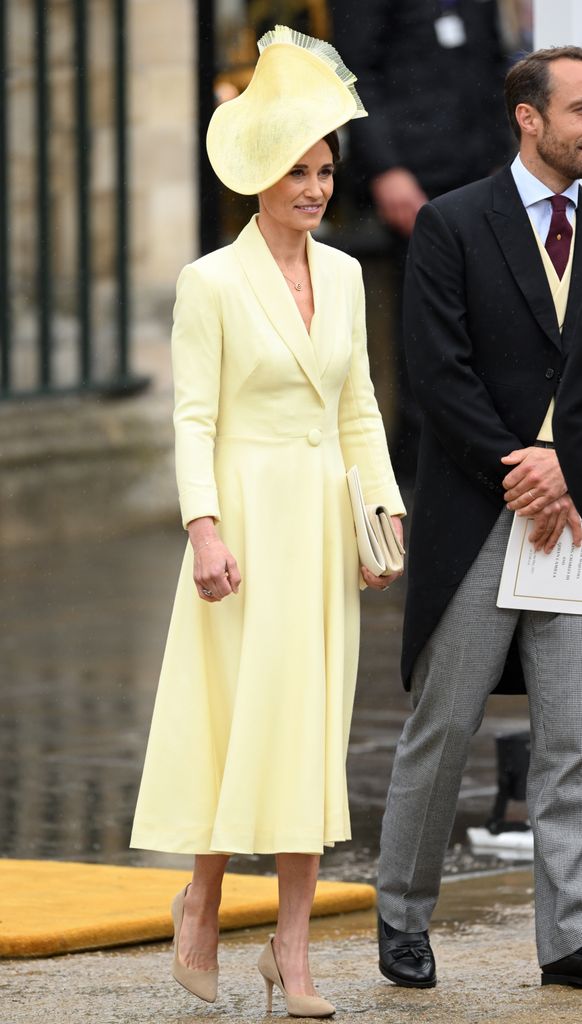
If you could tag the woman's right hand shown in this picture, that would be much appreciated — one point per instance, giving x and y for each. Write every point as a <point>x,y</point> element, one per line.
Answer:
<point>216,573</point>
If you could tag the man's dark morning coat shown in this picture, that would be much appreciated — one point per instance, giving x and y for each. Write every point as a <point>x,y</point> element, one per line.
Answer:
<point>568,423</point>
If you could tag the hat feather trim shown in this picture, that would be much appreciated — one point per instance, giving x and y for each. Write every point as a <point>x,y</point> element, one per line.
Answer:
<point>318,48</point>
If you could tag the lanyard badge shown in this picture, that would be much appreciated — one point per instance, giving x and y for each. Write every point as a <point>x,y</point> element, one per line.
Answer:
<point>449,26</point>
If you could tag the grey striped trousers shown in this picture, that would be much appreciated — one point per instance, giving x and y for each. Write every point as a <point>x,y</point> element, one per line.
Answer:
<point>453,676</point>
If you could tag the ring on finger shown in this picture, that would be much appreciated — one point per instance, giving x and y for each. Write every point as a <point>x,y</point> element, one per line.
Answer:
<point>207,593</point>
<point>531,494</point>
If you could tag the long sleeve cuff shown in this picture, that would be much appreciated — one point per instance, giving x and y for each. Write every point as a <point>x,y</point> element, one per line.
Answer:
<point>201,502</point>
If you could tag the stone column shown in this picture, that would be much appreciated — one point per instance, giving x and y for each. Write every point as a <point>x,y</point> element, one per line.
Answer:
<point>163,154</point>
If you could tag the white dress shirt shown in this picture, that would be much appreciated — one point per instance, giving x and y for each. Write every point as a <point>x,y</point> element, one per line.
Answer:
<point>535,196</point>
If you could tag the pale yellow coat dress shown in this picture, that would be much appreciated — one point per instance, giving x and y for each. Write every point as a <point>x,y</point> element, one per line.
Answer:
<point>249,736</point>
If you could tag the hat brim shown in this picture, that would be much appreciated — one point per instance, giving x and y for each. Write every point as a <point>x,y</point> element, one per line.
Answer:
<point>292,101</point>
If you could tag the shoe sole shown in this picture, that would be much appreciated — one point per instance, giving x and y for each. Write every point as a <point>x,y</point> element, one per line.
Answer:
<point>561,979</point>
<point>431,983</point>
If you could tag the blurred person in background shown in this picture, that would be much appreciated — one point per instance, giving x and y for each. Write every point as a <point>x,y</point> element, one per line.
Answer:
<point>274,402</point>
<point>430,73</point>
<point>516,23</point>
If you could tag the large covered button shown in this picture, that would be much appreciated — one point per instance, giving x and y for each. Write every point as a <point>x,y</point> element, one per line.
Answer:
<point>314,436</point>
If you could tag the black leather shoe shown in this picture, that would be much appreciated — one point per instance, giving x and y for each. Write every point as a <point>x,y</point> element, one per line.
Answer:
<point>567,971</point>
<point>406,957</point>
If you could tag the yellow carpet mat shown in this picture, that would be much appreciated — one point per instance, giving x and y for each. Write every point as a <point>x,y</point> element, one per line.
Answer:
<point>49,907</point>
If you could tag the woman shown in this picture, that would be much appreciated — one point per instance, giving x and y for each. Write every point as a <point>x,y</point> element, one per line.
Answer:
<point>274,401</point>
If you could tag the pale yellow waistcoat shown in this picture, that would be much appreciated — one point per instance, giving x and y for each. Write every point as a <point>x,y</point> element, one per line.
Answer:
<point>560,288</point>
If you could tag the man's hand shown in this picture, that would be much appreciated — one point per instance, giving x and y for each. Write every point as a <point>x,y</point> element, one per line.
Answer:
<point>536,480</point>
<point>398,198</point>
<point>549,523</point>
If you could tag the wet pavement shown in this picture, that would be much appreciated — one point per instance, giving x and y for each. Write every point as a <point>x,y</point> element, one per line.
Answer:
<point>81,639</point>
<point>482,937</point>
<point>82,633</point>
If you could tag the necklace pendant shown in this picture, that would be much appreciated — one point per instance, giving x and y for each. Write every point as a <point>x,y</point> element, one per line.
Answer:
<point>298,286</point>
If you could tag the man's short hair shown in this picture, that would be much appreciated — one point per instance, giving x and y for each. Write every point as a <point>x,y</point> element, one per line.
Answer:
<point>529,81</point>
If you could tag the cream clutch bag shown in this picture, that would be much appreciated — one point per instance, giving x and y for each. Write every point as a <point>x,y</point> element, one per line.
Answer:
<point>378,546</point>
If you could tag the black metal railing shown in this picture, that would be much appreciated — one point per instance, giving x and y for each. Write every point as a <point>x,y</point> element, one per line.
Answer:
<point>209,224</point>
<point>83,195</point>
<point>5,367</point>
<point>118,378</point>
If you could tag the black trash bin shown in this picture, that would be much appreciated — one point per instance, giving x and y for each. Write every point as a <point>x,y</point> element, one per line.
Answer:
<point>513,753</point>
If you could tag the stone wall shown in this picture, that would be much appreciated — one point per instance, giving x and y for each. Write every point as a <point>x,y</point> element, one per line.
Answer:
<point>81,468</point>
<point>72,467</point>
<point>162,166</point>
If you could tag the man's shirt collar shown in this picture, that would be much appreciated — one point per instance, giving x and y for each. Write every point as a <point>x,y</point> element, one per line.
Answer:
<point>532,190</point>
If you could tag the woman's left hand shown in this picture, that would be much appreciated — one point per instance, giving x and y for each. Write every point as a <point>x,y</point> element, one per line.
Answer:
<point>383,582</point>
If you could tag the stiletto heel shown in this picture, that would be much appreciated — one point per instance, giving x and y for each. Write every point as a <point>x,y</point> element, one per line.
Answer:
<point>297,1006</point>
<point>203,984</point>
<point>269,991</point>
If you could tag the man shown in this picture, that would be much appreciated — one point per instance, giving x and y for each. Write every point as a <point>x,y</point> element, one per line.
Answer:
<point>568,424</point>
<point>492,305</point>
<point>430,74</point>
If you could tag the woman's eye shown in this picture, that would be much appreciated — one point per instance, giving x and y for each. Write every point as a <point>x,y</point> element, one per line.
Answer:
<point>296,172</point>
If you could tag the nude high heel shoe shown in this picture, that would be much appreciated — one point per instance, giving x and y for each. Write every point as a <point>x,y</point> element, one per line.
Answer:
<point>203,984</point>
<point>297,1006</point>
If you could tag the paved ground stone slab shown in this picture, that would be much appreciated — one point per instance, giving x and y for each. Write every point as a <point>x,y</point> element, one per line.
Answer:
<point>488,974</point>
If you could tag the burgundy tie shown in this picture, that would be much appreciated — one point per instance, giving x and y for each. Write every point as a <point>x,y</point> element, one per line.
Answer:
<point>559,235</point>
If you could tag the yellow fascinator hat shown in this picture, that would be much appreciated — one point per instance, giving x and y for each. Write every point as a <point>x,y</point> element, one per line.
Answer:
<point>300,91</point>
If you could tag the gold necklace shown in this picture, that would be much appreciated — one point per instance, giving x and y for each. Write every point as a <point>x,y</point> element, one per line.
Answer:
<point>298,285</point>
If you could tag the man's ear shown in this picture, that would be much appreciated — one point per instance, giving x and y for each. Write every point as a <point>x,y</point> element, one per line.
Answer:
<point>528,118</point>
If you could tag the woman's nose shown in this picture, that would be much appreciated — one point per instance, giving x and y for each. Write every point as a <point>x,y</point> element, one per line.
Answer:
<point>313,187</point>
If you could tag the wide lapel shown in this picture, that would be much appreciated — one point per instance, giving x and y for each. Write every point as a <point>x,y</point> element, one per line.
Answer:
<point>572,318</point>
<point>323,292</point>
<point>268,285</point>
<point>514,232</point>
